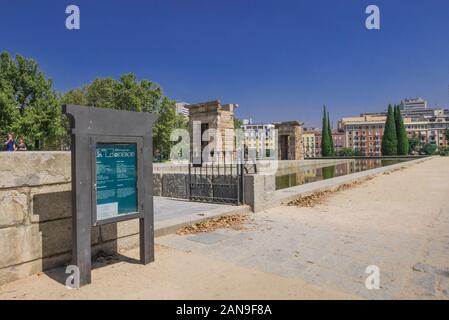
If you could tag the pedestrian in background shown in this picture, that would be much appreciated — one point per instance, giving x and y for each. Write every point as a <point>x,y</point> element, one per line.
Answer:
<point>22,146</point>
<point>10,143</point>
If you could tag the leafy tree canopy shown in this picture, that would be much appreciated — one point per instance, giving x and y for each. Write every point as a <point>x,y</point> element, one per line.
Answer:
<point>237,123</point>
<point>346,152</point>
<point>28,105</point>
<point>429,149</point>
<point>127,93</point>
<point>414,144</point>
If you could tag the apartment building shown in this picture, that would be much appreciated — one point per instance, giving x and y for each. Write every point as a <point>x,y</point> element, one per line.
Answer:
<point>259,137</point>
<point>338,138</point>
<point>363,134</point>
<point>182,109</point>
<point>429,130</point>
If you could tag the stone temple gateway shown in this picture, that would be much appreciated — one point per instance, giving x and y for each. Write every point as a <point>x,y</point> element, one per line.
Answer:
<point>290,145</point>
<point>211,115</point>
<point>214,115</point>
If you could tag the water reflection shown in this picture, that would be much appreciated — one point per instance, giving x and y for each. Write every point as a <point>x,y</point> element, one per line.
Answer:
<point>301,175</point>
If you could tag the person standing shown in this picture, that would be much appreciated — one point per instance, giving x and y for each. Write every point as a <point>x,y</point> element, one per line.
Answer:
<point>22,146</point>
<point>10,143</point>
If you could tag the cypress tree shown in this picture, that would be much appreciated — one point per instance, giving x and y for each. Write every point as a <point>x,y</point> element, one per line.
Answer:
<point>389,139</point>
<point>325,143</point>
<point>401,133</point>
<point>329,129</point>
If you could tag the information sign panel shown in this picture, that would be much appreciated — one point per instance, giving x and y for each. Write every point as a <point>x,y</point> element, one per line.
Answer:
<point>116,180</point>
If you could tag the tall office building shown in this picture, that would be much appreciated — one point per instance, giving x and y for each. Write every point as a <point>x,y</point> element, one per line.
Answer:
<point>415,104</point>
<point>181,108</point>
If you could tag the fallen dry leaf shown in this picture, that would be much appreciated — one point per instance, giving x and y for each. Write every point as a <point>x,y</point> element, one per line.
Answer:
<point>320,196</point>
<point>234,222</point>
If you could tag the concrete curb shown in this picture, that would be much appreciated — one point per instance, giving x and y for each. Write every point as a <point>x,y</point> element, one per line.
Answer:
<point>163,228</point>
<point>285,195</point>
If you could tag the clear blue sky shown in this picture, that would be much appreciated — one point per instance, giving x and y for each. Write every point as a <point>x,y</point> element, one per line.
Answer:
<point>279,60</point>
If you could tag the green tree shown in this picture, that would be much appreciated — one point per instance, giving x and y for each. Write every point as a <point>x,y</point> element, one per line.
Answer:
<point>75,96</point>
<point>346,152</point>
<point>389,139</point>
<point>444,151</point>
<point>325,142</point>
<point>331,140</point>
<point>8,109</point>
<point>358,153</point>
<point>414,144</point>
<point>127,93</point>
<point>447,134</point>
<point>102,93</point>
<point>29,106</point>
<point>429,149</point>
<point>237,123</point>
<point>167,120</point>
<point>401,134</point>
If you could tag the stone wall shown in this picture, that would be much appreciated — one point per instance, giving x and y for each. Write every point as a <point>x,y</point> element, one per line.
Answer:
<point>172,185</point>
<point>35,216</point>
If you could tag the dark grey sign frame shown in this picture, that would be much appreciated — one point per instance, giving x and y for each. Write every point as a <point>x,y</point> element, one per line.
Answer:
<point>89,126</point>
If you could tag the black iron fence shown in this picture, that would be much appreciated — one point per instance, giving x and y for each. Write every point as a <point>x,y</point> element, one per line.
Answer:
<point>219,181</point>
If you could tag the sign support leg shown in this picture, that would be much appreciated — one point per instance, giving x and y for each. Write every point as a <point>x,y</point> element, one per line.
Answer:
<point>81,219</point>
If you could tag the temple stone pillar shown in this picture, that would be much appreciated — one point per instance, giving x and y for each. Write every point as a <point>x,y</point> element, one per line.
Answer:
<point>211,115</point>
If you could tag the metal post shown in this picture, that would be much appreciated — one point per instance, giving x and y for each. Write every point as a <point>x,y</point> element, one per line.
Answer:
<point>241,184</point>
<point>81,208</point>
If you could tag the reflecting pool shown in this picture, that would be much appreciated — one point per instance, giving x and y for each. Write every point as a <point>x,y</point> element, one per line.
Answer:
<point>314,172</point>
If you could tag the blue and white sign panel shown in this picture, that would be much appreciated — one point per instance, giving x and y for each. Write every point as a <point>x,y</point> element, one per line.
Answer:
<point>116,180</point>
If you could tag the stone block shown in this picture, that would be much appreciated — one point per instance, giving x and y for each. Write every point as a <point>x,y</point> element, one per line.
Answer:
<point>19,244</point>
<point>259,191</point>
<point>56,237</point>
<point>13,207</point>
<point>117,245</point>
<point>50,202</point>
<point>121,229</point>
<point>24,243</point>
<point>34,168</point>
<point>16,272</point>
<point>174,185</point>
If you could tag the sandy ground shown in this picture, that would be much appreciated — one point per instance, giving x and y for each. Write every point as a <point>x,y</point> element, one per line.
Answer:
<point>398,222</point>
<point>174,275</point>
